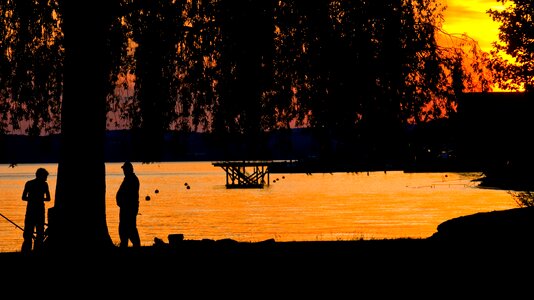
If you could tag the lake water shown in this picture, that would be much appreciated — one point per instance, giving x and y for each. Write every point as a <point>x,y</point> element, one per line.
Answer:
<point>293,207</point>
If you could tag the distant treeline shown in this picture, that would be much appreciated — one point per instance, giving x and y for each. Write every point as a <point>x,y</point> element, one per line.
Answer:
<point>489,133</point>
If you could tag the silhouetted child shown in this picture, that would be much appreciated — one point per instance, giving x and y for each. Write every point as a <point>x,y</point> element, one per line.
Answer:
<point>35,193</point>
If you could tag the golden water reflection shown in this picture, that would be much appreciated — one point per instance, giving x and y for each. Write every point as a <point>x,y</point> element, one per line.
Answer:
<point>294,207</point>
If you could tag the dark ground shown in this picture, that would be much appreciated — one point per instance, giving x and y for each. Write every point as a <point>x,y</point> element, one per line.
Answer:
<point>475,257</point>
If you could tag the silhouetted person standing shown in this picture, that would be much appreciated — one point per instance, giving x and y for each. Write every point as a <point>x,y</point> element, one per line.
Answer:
<point>128,202</point>
<point>35,193</point>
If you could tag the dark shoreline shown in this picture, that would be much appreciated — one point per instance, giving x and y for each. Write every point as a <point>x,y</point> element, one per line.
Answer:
<point>478,254</point>
<point>497,228</point>
<point>380,268</point>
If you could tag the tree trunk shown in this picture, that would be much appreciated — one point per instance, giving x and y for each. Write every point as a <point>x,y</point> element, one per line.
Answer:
<point>78,219</point>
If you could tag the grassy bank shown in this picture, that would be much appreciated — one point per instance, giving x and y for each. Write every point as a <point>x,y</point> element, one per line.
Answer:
<point>473,256</point>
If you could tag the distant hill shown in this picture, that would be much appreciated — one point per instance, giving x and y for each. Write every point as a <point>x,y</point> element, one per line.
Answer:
<point>29,149</point>
<point>178,146</point>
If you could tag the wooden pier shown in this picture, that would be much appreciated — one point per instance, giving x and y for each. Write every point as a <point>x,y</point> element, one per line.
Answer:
<point>245,174</point>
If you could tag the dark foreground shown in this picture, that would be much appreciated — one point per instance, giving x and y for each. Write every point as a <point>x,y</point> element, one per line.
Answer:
<point>489,255</point>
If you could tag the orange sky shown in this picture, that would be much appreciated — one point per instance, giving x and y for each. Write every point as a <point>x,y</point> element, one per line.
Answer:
<point>470,17</point>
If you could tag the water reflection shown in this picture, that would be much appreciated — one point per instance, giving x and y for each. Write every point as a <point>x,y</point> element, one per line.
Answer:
<point>191,198</point>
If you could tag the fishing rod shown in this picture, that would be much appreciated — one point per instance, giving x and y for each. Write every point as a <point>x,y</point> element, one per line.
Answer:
<point>12,222</point>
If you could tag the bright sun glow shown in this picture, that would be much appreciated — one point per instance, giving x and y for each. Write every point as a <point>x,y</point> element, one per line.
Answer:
<point>471,17</point>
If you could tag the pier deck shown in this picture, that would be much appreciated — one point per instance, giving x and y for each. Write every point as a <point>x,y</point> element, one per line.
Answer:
<point>245,174</point>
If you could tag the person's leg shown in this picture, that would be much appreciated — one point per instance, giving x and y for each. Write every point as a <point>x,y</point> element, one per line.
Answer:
<point>39,230</point>
<point>123,236</point>
<point>39,239</point>
<point>134,233</point>
<point>28,234</point>
<point>123,230</point>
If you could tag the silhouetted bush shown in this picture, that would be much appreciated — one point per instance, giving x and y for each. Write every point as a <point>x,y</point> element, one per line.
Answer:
<point>523,199</point>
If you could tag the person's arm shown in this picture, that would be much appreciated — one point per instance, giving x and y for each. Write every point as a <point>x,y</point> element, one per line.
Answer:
<point>47,193</point>
<point>25,192</point>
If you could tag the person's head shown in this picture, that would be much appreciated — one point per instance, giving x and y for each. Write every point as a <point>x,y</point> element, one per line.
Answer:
<point>41,173</point>
<point>127,167</point>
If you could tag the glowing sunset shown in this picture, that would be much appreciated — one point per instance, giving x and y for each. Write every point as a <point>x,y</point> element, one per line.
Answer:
<point>470,17</point>
<point>248,144</point>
